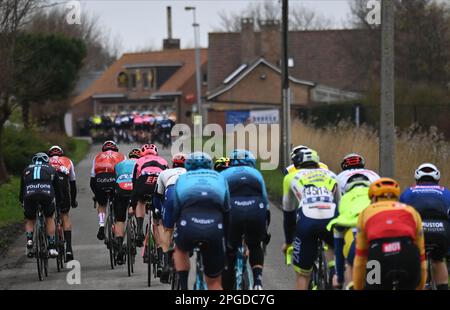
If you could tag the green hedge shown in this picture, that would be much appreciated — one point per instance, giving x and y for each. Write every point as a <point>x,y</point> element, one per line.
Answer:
<point>19,145</point>
<point>10,211</point>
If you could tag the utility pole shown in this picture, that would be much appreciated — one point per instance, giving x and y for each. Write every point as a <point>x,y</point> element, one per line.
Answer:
<point>286,93</point>
<point>198,119</point>
<point>387,116</point>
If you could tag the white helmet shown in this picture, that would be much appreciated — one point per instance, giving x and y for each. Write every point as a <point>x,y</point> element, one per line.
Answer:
<point>427,170</point>
<point>298,148</point>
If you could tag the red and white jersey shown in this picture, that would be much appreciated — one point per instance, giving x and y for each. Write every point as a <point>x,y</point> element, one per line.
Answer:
<point>63,164</point>
<point>105,162</point>
<point>168,177</point>
<point>347,174</point>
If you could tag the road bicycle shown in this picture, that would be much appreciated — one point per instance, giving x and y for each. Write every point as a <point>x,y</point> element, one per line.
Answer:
<point>131,232</point>
<point>40,242</point>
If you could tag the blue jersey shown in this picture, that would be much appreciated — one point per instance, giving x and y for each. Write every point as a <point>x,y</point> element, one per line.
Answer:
<point>246,181</point>
<point>431,201</point>
<point>124,173</point>
<point>201,189</point>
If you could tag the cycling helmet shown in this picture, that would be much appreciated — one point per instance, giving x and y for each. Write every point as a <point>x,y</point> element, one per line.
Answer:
<point>55,151</point>
<point>149,149</point>
<point>40,158</point>
<point>305,157</point>
<point>427,172</point>
<point>134,153</point>
<point>110,146</point>
<point>384,188</point>
<point>298,148</point>
<point>242,158</point>
<point>221,164</point>
<point>357,180</point>
<point>198,160</point>
<point>353,161</point>
<point>178,160</point>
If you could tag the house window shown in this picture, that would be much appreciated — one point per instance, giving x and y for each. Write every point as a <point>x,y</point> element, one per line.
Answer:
<point>122,79</point>
<point>133,80</point>
<point>145,79</point>
<point>205,78</point>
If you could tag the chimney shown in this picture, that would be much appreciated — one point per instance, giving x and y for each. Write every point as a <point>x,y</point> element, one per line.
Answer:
<point>248,40</point>
<point>170,43</point>
<point>270,41</point>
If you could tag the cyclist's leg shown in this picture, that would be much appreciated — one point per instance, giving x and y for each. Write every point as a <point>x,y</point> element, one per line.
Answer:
<point>256,230</point>
<point>121,202</point>
<point>304,255</point>
<point>64,207</point>
<point>167,224</point>
<point>30,208</point>
<point>328,238</point>
<point>48,208</point>
<point>439,265</point>
<point>183,245</point>
<point>213,253</point>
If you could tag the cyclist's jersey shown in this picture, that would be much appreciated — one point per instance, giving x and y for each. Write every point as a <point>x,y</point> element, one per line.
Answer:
<point>202,189</point>
<point>165,124</point>
<point>347,174</point>
<point>168,178</point>
<point>38,180</point>
<point>351,205</point>
<point>291,168</point>
<point>149,165</point>
<point>315,191</point>
<point>431,201</point>
<point>386,219</point>
<point>64,165</point>
<point>105,162</point>
<point>96,120</point>
<point>246,182</point>
<point>124,174</point>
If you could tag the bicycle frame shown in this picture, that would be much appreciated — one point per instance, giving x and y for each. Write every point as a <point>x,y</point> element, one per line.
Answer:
<point>200,283</point>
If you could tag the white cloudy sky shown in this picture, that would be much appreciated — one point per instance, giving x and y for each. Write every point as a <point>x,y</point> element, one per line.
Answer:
<point>141,23</point>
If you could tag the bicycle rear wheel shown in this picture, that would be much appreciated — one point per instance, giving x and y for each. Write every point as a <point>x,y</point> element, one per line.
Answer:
<point>38,253</point>
<point>148,253</point>
<point>129,254</point>
<point>109,235</point>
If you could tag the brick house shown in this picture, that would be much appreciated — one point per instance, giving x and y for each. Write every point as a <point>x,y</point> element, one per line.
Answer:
<point>244,69</point>
<point>152,81</point>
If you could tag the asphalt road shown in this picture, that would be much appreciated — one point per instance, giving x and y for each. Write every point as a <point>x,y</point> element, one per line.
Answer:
<point>17,272</point>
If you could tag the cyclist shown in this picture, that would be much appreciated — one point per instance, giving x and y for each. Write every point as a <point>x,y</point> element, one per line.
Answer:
<point>164,199</point>
<point>201,214</point>
<point>67,183</point>
<point>124,187</point>
<point>353,164</point>
<point>103,179</point>
<point>352,203</point>
<point>221,164</point>
<point>294,151</point>
<point>391,234</point>
<point>38,186</point>
<point>433,204</point>
<point>249,214</point>
<point>145,176</point>
<point>308,206</point>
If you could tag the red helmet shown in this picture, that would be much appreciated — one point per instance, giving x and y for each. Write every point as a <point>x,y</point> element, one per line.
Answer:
<point>55,151</point>
<point>353,161</point>
<point>134,153</point>
<point>149,149</point>
<point>178,160</point>
<point>110,146</point>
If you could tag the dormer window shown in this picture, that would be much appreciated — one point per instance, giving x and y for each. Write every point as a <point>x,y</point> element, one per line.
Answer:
<point>133,80</point>
<point>122,79</point>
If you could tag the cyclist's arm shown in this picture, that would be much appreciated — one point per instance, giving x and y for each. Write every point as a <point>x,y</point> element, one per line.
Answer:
<point>359,265</point>
<point>420,243</point>
<point>176,204</point>
<point>72,175</point>
<point>265,197</point>
<point>289,216</point>
<point>339,252</point>
<point>73,191</point>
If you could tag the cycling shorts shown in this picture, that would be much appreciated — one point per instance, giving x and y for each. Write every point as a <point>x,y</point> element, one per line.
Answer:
<point>122,200</point>
<point>206,226</point>
<point>437,236</point>
<point>104,182</point>
<point>167,207</point>
<point>144,187</point>
<point>30,206</point>
<point>399,259</point>
<point>63,204</point>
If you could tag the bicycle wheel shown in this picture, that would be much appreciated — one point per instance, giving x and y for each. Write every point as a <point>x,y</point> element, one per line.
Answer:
<point>38,251</point>
<point>44,249</point>
<point>59,240</point>
<point>109,234</point>
<point>248,277</point>
<point>129,254</point>
<point>148,250</point>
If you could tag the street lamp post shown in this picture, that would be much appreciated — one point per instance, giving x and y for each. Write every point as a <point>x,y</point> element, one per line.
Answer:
<point>197,59</point>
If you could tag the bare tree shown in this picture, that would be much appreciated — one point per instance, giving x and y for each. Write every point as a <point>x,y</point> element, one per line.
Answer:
<point>301,17</point>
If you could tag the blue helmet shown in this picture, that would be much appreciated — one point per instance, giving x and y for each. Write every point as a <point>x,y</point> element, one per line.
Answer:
<point>242,158</point>
<point>40,158</point>
<point>198,160</point>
